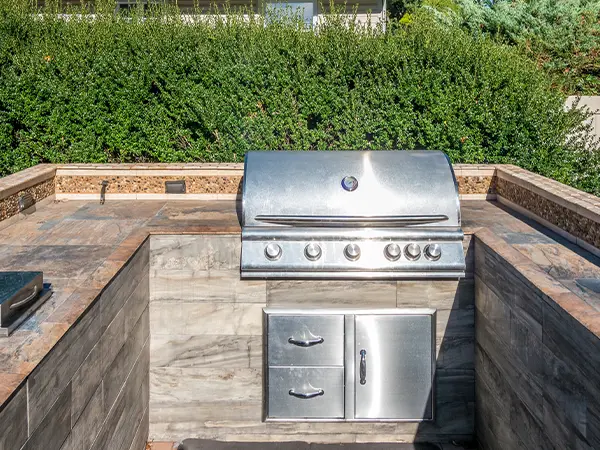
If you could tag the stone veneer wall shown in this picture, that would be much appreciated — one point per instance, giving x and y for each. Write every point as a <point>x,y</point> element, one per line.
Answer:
<point>124,181</point>
<point>91,391</point>
<point>37,181</point>
<point>536,367</point>
<point>206,346</point>
<point>560,207</point>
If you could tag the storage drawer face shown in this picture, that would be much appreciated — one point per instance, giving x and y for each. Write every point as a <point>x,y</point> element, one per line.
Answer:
<point>306,340</point>
<point>306,392</point>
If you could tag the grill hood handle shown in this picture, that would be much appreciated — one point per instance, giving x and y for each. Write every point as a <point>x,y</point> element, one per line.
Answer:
<point>351,221</point>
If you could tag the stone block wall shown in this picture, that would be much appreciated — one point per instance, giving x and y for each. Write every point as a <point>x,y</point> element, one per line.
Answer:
<point>91,391</point>
<point>206,346</point>
<point>536,367</point>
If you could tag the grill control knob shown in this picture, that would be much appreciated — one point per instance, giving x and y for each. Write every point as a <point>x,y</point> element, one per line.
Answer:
<point>392,252</point>
<point>312,252</point>
<point>412,251</point>
<point>433,252</point>
<point>352,252</point>
<point>273,251</point>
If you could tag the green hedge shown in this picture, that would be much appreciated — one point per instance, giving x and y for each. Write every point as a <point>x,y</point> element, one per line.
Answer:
<point>122,89</point>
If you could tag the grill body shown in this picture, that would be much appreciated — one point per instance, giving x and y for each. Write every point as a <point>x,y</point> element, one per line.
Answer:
<point>350,214</point>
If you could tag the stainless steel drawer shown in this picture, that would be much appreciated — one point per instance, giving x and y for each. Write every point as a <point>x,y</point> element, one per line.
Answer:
<point>306,392</point>
<point>308,340</point>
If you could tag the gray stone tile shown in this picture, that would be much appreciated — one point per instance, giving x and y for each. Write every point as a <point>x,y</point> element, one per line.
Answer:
<point>527,427</point>
<point>119,429</point>
<point>112,341</point>
<point>527,305</point>
<point>439,294</point>
<point>190,385</point>
<point>53,430</point>
<point>479,257</point>
<point>498,275</point>
<point>88,425</point>
<point>455,323</point>
<point>137,303</point>
<point>469,248</point>
<point>560,262</point>
<point>54,373</point>
<point>526,346</point>
<point>118,370</point>
<point>593,422</point>
<point>85,382</point>
<point>221,419</point>
<point>456,352</point>
<point>496,384</point>
<point>192,318</point>
<point>86,232</point>
<point>493,419</point>
<point>572,343</point>
<point>206,286</point>
<point>588,293</point>
<point>58,261</point>
<point>117,211</point>
<point>563,387</point>
<point>496,312</point>
<point>124,285</point>
<point>68,444</point>
<point>518,376</point>
<point>206,351</point>
<point>560,433</point>
<point>484,436</point>
<point>195,414</point>
<point>124,321</point>
<point>332,293</point>
<point>516,238</point>
<point>141,435</point>
<point>195,252</point>
<point>13,421</point>
<point>454,403</point>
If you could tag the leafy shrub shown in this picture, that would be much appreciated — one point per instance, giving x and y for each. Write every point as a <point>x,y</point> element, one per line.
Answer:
<point>125,88</point>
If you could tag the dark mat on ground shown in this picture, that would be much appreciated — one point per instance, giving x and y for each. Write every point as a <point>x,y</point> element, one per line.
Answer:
<point>201,444</point>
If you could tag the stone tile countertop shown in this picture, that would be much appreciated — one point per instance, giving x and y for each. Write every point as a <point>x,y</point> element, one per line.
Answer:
<point>80,246</point>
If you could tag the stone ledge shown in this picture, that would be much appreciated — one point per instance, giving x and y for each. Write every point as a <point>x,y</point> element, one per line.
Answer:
<point>575,212</point>
<point>568,209</point>
<point>13,184</point>
<point>550,290</point>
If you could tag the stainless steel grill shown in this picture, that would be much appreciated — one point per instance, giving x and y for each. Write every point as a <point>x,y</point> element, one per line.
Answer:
<point>350,214</point>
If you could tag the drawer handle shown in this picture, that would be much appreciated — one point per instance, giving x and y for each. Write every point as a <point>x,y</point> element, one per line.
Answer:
<point>308,343</point>
<point>23,302</point>
<point>317,393</point>
<point>363,367</point>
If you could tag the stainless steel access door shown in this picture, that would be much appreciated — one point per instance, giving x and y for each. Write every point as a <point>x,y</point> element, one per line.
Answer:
<point>393,357</point>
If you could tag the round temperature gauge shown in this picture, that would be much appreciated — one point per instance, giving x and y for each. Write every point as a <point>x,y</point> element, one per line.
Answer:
<point>349,183</point>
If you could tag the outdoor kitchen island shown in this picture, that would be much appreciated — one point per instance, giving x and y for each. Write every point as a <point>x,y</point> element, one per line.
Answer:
<point>151,334</point>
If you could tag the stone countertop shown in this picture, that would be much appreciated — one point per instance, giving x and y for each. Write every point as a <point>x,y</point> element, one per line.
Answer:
<point>81,245</point>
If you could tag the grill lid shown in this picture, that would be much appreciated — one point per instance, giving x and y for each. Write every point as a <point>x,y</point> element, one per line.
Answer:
<point>350,214</point>
<point>350,188</point>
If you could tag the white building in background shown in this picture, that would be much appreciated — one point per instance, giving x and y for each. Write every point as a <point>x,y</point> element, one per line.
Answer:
<point>366,11</point>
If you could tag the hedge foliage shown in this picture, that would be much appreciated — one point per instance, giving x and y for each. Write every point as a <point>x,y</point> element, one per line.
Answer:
<point>563,37</point>
<point>121,88</point>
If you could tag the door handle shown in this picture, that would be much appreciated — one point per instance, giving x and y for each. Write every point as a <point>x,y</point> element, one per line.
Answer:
<point>23,302</point>
<point>363,366</point>
<point>306,343</point>
<point>317,393</point>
